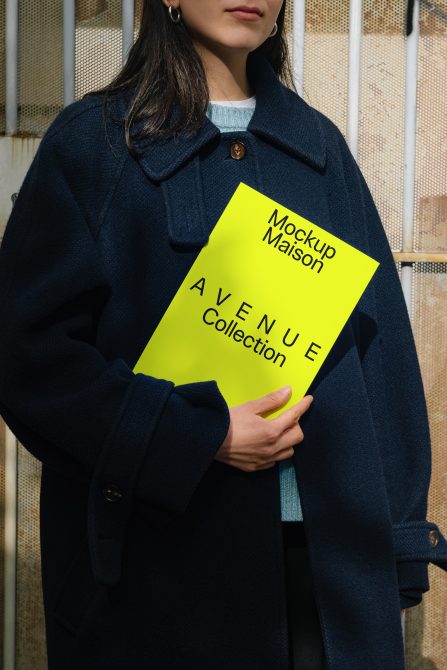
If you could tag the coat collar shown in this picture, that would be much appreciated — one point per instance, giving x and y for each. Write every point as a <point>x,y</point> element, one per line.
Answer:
<point>281,117</point>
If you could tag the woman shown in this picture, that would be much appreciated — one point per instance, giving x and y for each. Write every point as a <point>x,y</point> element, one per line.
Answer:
<point>165,537</point>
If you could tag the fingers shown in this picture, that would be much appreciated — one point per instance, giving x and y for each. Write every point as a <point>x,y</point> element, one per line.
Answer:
<point>290,417</point>
<point>280,450</point>
<point>282,455</point>
<point>271,400</point>
<point>258,442</point>
<point>285,443</point>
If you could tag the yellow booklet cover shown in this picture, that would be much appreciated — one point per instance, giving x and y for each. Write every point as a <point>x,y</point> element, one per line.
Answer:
<point>262,304</point>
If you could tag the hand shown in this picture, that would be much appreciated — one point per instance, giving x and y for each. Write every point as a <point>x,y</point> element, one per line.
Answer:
<point>256,443</point>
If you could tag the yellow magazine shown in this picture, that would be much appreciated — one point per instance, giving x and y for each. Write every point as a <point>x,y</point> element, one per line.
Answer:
<point>262,304</point>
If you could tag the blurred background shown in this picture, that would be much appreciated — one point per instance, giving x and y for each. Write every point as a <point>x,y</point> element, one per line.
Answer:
<point>386,91</point>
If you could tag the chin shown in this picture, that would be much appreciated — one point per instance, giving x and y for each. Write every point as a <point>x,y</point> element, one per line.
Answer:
<point>240,41</point>
<point>241,45</point>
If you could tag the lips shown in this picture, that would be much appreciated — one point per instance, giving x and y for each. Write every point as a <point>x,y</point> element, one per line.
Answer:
<point>246,9</point>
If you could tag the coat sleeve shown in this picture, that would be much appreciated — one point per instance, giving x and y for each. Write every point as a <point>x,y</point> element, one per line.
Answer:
<point>393,379</point>
<point>85,416</point>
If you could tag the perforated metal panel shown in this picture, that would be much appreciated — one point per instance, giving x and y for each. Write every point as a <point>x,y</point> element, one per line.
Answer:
<point>41,56</point>
<point>326,58</point>
<point>30,627</point>
<point>40,64</point>
<point>288,24</point>
<point>431,148</point>
<point>381,157</point>
<point>427,624</point>
<point>426,634</point>
<point>98,43</point>
<point>382,109</point>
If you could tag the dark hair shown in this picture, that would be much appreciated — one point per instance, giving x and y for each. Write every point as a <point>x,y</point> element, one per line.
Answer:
<point>163,68</point>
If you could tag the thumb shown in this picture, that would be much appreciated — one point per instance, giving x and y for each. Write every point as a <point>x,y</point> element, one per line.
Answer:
<point>271,400</point>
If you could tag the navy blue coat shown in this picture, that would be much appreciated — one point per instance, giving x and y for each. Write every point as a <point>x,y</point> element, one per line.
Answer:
<point>154,554</point>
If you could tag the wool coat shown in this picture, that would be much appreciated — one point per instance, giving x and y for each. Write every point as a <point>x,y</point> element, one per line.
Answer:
<point>154,554</point>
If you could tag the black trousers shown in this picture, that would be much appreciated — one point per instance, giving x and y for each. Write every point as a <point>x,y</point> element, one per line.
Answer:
<point>306,649</point>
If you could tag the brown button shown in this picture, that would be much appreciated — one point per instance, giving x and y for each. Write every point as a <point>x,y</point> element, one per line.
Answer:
<point>112,493</point>
<point>433,537</point>
<point>237,151</point>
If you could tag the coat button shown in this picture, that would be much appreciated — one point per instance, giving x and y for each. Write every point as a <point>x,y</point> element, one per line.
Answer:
<point>237,151</point>
<point>433,536</point>
<point>112,493</point>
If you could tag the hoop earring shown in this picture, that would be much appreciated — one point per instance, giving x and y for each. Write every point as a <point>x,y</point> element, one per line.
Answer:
<point>274,31</point>
<point>175,18</point>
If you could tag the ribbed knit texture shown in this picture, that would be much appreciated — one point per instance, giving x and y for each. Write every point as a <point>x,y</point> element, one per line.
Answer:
<point>232,116</point>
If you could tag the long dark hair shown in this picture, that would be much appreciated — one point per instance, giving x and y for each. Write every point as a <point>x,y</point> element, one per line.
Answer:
<point>163,68</point>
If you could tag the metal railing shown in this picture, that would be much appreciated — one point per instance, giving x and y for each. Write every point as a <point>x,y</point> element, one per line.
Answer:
<point>12,35</point>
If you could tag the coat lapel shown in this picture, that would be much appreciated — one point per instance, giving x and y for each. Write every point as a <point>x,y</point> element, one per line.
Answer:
<point>281,117</point>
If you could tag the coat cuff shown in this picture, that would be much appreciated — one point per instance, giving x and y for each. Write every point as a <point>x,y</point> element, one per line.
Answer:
<point>170,437</point>
<point>413,582</point>
<point>417,543</point>
<point>420,540</point>
<point>192,427</point>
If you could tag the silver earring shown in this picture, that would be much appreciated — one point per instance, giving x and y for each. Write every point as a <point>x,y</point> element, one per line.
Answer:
<point>274,31</point>
<point>175,18</point>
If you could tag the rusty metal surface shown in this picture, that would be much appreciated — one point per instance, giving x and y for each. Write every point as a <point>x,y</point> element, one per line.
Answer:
<point>382,105</point>
<point>426,630</point>
<point>382,162</point>
<point>40,44</point>
<point>431,147</point>
<point>98,44</point>
<point>30,626</point>
<point>419,257</point>
<point>326,59</point>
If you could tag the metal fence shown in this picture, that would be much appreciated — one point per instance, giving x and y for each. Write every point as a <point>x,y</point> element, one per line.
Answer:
<point>386,92</point>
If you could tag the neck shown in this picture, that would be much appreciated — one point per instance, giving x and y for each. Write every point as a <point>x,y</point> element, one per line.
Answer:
<point>226,74</point>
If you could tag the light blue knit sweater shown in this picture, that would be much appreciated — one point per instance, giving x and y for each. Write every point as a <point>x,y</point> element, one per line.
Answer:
<point>231,118</point>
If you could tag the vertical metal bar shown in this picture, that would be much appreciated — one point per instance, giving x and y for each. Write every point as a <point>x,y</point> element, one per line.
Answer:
<point>410,130</point>
<point>128,9</point>
<point>406,279</point>
<point>299,23</point>
<point>69,51</point>
<point>9,622</point>
<point>411,75</point>
<point>12,50</point>
<point>355,44</point>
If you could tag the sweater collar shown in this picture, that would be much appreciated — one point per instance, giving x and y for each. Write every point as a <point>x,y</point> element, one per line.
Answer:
<point>281,117</point>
